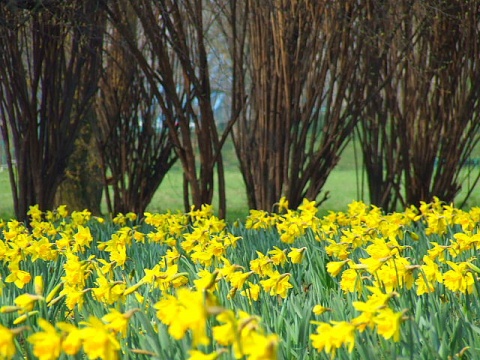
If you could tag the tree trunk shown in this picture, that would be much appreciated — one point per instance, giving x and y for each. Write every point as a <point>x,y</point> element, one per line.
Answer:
<point>83,184</point>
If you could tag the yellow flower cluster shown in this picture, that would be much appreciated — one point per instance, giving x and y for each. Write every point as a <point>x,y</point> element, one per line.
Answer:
<point>185,280</point>
<point>374,250</point>
<point>96,337</point>
<point>374,255</point>
<point>74,284</point>
<point>371,253</point>
<point>291,225</point>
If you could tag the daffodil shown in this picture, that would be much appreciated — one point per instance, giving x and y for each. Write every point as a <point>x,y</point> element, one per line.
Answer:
<point>19,277</point>
<point>38,285</point>
<point>330,338</point>
<point>351,281</point>
<point>258,346</point>
<point>259,219</point>
<point>373,264</point>
<point>7,344</point>
<point>438,251</point>
<point>428,277</point>
<point>320,309</point>
<point>26,302</point>
<point>35,213</point>
<point>76,271</point>
<point>252,292</point>
<point>200,355</point>
<point>282,204</point>
<point>98,341</point>
<point>108,291</point>
<point>117,321</point>
<point>460,278</point>
<point>80,217</point>
<point>262,265</point>
<point>47,344</point>
<point>62,211</point>
<point>41,249</point>
<point>185,312</point>
<point>226,333</point>
<point>278,256</point>
<point>237,279</point>
<point>357,236</point>
<point>71,338</point>
<point>206,280</point>
<point>334,267</point>
<point>22,318</point>
<point>388,323</point>
<point>277,284</point>
<point>74,296</point>
<point>379,249</point>
<point>396,272</point>
<point>462,243</point>
<point>338,250</point>
<point>296,254</point>
<point>226,271</point>
<point>51,295</point>
<point>82,238</point>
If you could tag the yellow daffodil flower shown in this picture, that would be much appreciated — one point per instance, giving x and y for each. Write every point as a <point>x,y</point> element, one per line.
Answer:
<point>47,344</point>
<point>7,344</point>
<point>388,323</point>
<point>296,254</point>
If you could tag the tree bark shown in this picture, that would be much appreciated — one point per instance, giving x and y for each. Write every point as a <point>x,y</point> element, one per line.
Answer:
<point>82,187</point>
<point>49,68</point>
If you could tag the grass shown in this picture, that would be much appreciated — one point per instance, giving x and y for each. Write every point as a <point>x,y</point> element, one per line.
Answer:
<point>6,201</point>
<point>341,185</point>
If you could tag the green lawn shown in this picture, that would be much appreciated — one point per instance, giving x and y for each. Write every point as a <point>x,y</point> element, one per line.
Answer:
<point>341,184</point>
<point>6,201</point>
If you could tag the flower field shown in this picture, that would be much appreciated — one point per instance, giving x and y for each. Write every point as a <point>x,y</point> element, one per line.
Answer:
<point>358,284</point>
